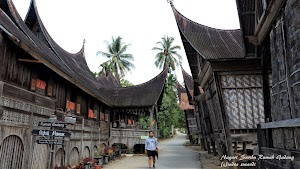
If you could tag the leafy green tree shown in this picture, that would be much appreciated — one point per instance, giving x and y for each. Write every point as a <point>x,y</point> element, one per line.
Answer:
<point>119,61</point>
<point>145,121</point>
<point>170,113</point>
<point>124,82</point>
<point>106,68</point>
<point>167,55</point>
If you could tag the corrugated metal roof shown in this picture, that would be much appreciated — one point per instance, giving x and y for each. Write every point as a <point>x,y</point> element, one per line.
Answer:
<point>211,43</point>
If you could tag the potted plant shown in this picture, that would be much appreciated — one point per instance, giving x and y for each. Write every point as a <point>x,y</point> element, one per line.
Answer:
<point>99,156</point>
<point>105,155</point>
<point>80,166</point>
<point>87,163</point>
<point>110,152</point>
<point>115,153</point>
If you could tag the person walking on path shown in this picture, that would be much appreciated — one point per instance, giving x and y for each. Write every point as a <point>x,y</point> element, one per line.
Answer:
<point>151,148</point>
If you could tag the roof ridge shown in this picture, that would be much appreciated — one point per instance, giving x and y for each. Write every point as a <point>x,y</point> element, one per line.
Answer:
<point>209,27</point>
<point>210,43</point>
<point>154,78</point>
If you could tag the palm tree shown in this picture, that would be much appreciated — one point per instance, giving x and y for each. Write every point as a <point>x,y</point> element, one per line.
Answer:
<point>105,68</point>
<point>167,52</point>
<point>119,61</point>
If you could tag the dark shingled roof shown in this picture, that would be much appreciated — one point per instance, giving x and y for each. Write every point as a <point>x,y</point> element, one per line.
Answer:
<point>76,62</point>
<point>143,95</point>
<point>188,81</point>
<point>74,66</point>
<point>109,81</point>
<point>180,89</point>
<point>211,43</point>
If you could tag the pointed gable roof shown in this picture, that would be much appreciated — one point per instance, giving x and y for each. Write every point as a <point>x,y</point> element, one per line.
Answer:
<point>143,95</point>
<point>70,66</point>
<point>180,89</point>
<point>183,98</point>
<point>109,81</point>
<point>73,67</point>
<point>210,43</point>
<point>188,81</point>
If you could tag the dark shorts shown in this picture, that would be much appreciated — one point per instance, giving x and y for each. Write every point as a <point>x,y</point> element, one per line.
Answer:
<point>151,153</point>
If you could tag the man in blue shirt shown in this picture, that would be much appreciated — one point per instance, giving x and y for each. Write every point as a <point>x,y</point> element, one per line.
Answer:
<point>151,148</point>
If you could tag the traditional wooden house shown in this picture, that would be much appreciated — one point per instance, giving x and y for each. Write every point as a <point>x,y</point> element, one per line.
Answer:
<point>272,27</point>
<point>38,78</point>
<point>231,80</point>
<point>191,122</point>
<point>201,113</point>
<point>130,104</point>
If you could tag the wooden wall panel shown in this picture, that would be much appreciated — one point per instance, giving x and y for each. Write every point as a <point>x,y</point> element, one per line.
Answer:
<point>40,156</point>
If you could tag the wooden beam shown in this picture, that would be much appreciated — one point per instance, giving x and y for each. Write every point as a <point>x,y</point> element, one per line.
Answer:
<point>236,65</point>
<point>281,124</point>
<point>29,60</point>
<point>248,13</point>
<point>205,74</point>
<point>265,23</point>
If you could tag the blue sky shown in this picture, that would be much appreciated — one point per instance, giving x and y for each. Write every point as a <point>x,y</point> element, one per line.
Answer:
<point>140,22</point>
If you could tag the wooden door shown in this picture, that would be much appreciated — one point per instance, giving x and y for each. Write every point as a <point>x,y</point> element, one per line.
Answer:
<point>11,152</point>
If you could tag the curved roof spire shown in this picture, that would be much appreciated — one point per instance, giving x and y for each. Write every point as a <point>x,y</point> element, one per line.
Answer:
<point>188,81</point>
<point>41,51</point>
<point>76,62</point>
<point>210,42</point>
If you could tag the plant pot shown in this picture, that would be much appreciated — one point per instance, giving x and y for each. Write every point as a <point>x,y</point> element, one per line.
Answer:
<point>105,160</point>
<point>100,161</point>
<point>97,166</point>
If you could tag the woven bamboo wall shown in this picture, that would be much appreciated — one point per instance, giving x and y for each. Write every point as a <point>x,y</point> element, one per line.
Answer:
<point>243,98</point>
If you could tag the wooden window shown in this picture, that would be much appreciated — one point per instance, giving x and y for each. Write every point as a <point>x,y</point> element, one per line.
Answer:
<point>50,90</point>
<point>106,116</point>
<point>33,84</point>
<point>71,103</point>
<point>102,114</point>
<point>50,87</point>
<point>78,101</point>
<point>34,78</point>
<point>96,111</point>
<point>40,87</point>
<point>91,113</point>
<point>96,114</point>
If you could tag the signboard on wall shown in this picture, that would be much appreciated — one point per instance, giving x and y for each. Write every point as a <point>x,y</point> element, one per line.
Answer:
<point>51,124</point>
<point>144,137</point>
<point>50,141</point>
<point>53,133</point>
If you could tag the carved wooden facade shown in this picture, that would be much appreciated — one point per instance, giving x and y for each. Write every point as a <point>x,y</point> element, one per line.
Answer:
<point>189,110</point>
<point>275,33</point>
<point>38,78</point>
<point>232,83</point>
